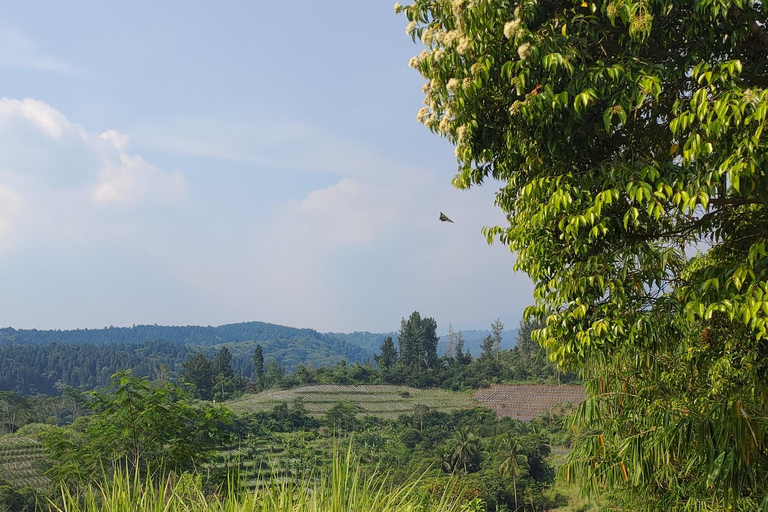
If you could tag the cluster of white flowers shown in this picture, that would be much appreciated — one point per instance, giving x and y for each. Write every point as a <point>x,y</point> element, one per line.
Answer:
<point>512,29</point>
<point>414,63</point>
<point>398,8</point>
<point>427,36</point>
<point>445,123</point>
<point>466,83</point>
<point>515,108</point>
<point>457,7</point>
<point>437,55</point>
<point>463,45</point>
<point>448,38</point>
<point>461,134</point>
<point>410,27</point>
<point>453,85</point>
<point>423,115</point>
<point>524,51</point>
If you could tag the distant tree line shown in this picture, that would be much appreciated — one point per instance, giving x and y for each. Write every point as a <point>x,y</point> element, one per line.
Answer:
<point>48,368</point>
<point>413,361</point>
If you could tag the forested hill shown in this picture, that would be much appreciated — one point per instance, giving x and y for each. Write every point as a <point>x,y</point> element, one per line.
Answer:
<point>180,335</point>
<point>33,360</point>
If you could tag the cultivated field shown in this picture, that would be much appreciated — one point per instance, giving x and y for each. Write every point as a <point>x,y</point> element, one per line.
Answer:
<point>527,401</point>
<point>381,401</point>
<point>21,462</point>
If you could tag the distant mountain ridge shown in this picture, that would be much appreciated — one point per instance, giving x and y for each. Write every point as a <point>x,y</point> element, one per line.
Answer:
<point>25,367</point>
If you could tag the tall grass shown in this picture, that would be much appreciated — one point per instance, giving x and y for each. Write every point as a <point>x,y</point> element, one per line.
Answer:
<point>338,489</point>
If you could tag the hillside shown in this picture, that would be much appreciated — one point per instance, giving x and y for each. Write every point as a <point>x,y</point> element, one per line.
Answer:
<point>381,401</point>
<point>527,401</point>
<point>34,361</point>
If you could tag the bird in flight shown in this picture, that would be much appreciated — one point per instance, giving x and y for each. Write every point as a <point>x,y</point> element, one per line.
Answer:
<point>445,218</point>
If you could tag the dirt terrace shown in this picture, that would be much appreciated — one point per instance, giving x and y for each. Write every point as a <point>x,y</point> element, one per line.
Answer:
<point>527,401</point>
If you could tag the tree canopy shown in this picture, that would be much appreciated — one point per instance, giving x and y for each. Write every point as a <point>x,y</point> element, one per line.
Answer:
<point>627,137</point>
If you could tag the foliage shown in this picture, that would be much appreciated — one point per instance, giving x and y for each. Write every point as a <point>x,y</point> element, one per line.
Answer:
<point>627,135</point>
<point>418,342</point>
<point>139,428</point>
<point>198,373</point>
<point>52,367</point>
<point>33,361</point>
<point>341,487</point>
<point>16,500</point>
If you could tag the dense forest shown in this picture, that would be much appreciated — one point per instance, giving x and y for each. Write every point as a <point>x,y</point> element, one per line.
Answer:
<point>44,361</point>
<point>37,361</point>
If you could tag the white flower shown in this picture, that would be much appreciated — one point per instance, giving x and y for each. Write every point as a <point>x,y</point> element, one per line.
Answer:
<point>437,55</point>
<point>466,83</point>
<point>425,88</point>
<point>427,36</point>
<point>453,85</point>
<point>463,45</point>
<point>450,37</point>
<point>461,134</point>
<point>515,108</point>
<point>511,29</point>
<point>398,8</point>
<point>410,27</point>
<point>414,62</point>
<point>524,51</point>
<point>445,124</point>
<point>422,115</point>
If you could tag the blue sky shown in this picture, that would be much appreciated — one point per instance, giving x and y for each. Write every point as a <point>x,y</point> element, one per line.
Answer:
<point>207,163</point>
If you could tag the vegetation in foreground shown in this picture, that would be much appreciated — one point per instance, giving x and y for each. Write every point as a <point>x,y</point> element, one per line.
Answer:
<point>628,139</point>
<point>151,431</point>
<point>340,488</point>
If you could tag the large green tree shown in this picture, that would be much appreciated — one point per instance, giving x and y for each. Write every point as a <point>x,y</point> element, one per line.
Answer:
<point>418,342</point>
<point>199,372</point>
<point>140,428</point>
<point>627,137</point>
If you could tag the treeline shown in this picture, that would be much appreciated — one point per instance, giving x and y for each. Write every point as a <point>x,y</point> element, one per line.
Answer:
<point>34,361</point>
<point>412,360</point>
<point>50,367</point>
<point>289,346</point>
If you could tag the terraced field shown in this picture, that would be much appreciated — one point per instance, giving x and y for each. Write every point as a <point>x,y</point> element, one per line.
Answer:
<point>21,462</point>
<point>527,401</point>
<point>381,401</point>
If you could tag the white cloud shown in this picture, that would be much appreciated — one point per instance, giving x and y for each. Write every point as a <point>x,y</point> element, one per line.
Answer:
<point>61,172</point>
<point>20,52</point>
<point>44,117</point>
<point>134,180</point>
<point>350,212</point>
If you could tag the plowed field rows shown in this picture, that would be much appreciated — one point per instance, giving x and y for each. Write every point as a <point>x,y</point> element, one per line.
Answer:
<point>21,461</point>
<point>381,401</point>
<point>527,401</point>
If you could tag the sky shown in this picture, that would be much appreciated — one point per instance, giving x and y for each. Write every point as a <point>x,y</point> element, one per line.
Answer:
<point>203,163</point>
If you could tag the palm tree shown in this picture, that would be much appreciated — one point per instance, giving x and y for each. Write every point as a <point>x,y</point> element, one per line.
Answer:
<point>510,466</point>
<point>465,450</point>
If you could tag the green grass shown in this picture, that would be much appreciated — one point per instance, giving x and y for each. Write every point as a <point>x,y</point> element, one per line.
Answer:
<point>340,489</point>
<point>382,401</point>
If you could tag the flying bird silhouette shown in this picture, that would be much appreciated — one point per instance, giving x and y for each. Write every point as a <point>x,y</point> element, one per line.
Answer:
<point>444,218</point>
